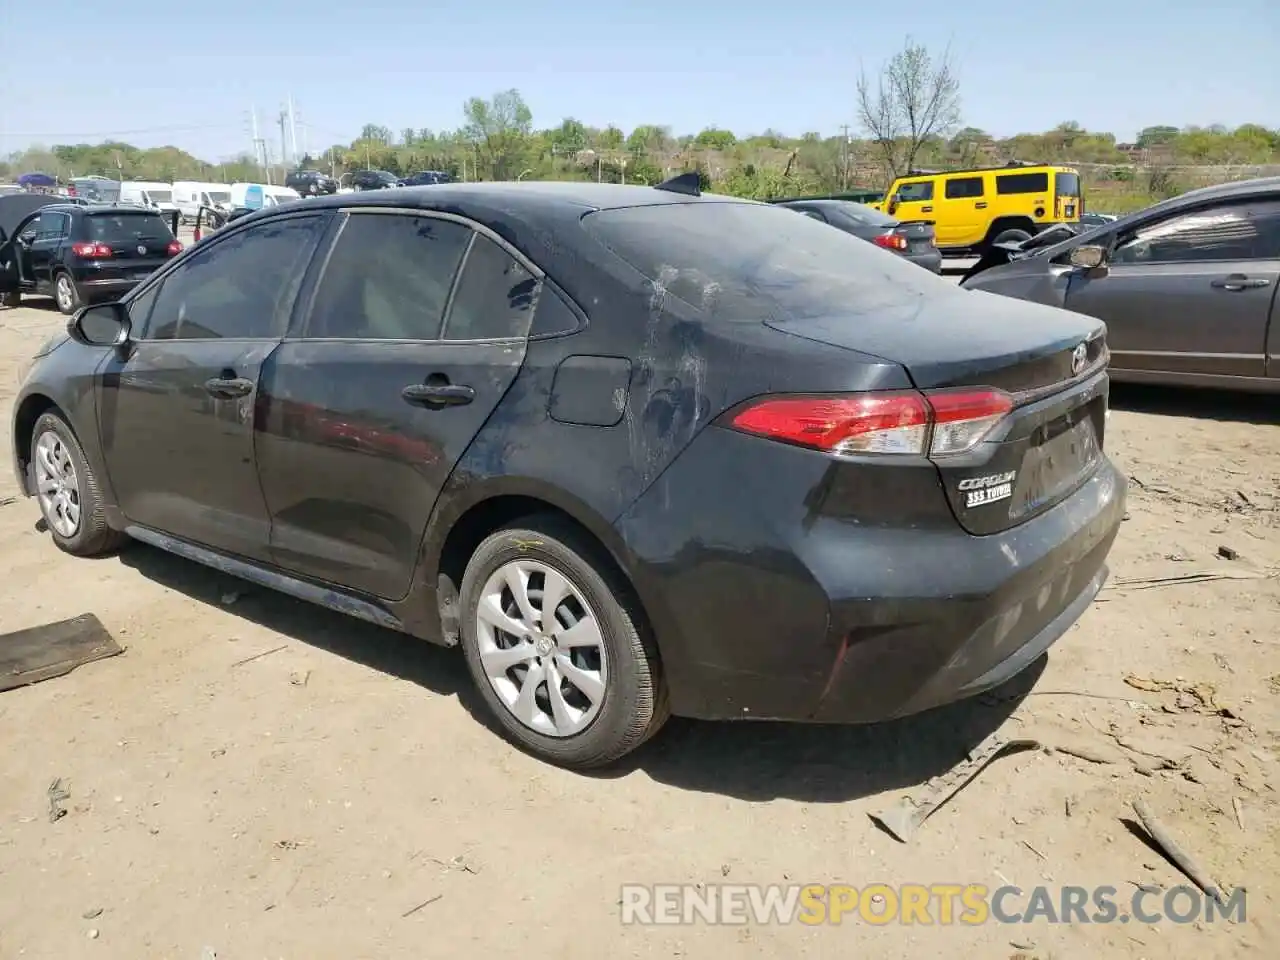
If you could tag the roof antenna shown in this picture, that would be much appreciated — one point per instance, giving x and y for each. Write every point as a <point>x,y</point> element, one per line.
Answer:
<point>689,184</point>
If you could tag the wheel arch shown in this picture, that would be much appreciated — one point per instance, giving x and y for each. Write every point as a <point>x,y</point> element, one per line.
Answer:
<point>30,409</point>
<point>455,532</point>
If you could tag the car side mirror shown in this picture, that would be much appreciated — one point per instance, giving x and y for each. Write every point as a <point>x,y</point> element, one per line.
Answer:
<point>101,325</point>
<point>1089,257</point>
<point>892,205</point>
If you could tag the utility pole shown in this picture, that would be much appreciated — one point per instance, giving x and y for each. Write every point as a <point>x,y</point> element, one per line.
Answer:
<point>293,132</point>
<point>844,178</point>
<point>259,145</point>
<point>284,136</point>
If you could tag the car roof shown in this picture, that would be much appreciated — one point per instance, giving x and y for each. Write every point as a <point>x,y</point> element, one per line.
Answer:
<point>521,199</point>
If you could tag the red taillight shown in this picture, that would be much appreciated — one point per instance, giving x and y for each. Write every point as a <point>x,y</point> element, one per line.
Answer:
<point>174,248</point>
<point>91,251</point>
<point>890,241</point>
<point>936,423</point>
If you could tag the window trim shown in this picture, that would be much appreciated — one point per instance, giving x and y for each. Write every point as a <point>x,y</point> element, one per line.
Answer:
<point>347,212</point>
<point>162,275</point>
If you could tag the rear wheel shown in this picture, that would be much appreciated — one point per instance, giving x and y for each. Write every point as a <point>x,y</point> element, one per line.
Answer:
<point>551,638</point>
<point>65,294</point>
<point>1011,236</point>
<point>68,492</point>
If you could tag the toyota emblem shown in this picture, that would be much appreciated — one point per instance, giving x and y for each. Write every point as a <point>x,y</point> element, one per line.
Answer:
<point>1079,357</point>
<point>142,250</point>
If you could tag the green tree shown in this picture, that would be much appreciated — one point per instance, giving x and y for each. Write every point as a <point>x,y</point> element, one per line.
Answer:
<point>914,98</point>
<point>498,128</point>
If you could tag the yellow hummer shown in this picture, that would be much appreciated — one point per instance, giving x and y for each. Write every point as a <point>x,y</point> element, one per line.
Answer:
<point>971,209</point>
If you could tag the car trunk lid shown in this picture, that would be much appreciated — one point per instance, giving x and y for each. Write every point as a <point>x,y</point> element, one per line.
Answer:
<point>1049,360</point>
<point>919,235</point>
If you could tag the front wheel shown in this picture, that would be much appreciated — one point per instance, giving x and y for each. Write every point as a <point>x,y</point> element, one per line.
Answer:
<point>65,294</point>
<point>68,492</point>
<point>552,640</point>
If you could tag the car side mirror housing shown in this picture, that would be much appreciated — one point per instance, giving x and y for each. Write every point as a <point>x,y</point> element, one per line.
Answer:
<point>101,325</point>
<point>1089,256</point>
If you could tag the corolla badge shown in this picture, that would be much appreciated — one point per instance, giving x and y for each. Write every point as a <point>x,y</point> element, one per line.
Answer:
<point>1079,357</point>
<point>142,250</point>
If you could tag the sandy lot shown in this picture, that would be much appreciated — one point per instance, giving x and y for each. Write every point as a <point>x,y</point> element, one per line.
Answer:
<point>301,804</point>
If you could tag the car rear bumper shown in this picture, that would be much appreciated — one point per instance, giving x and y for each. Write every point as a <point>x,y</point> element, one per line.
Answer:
<point>765,611</point>
<point>98,288</point>
<point>931,260</point>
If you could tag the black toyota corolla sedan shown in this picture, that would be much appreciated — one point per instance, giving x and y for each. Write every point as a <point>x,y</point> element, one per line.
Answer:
<point>635,450</point>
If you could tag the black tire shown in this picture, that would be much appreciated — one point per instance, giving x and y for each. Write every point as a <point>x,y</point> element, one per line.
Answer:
<point>1011,236</point>
<point>11,299</point>
<point>634,704</point>
<point>66,295</point>
<point>92,537</point>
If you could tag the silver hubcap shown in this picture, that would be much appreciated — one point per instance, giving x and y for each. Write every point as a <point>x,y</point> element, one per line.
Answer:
<point>541,648</point>
<point>64,292</point>
<point>56,484</point>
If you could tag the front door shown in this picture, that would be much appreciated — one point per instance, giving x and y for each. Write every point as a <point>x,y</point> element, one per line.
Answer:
<point>44,249</point>
<point>1189,293</point>
<point>177,410</point>
<point>380,394</point>
<point>913,201</point>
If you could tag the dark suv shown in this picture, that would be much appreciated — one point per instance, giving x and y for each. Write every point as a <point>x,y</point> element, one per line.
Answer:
<point>311,183</point>
<point>374,180</point>
<point>80,253</point>
<point>425,178</point>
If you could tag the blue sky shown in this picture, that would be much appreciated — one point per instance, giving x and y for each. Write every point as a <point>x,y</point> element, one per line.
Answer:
<point>746,65</point>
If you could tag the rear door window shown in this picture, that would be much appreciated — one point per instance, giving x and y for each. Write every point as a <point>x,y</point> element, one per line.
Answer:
<point>753,262</point>
<point>388,278</point>
<point>118,227</point>
<point>963,188</point>
<point>1066,184</point>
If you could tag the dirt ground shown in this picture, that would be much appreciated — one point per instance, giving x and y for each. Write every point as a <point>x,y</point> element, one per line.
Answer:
<point>258,778</point>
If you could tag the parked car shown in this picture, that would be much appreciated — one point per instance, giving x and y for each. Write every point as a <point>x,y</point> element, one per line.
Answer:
<point>190,195</point>
<point>973,209</point>
<point>9,188</point>
<point>635,450</point>
<point>426,178</point>
<point>78,253</point>
<point>1186,287</point>
<point>914,241</point>
<point>311,183</point>
<point>157,196</point>
<point>373,180</point>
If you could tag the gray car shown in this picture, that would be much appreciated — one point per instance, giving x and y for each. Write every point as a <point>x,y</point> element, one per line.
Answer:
<point>1187,287</point>
<point>912,239</point>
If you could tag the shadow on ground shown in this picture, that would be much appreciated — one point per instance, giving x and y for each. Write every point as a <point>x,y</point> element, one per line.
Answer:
<point>1201,404</point>
<point>749,760</point>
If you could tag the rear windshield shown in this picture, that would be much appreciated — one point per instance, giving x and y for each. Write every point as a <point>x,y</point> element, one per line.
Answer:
<point>752,262</point>
<point>865,214</point>
<point>106,227</point>
<point>1066,184</point>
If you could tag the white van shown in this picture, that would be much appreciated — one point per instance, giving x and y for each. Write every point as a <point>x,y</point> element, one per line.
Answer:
<point>261,195</point>
<point>190,195</point>
<point>143,193</point>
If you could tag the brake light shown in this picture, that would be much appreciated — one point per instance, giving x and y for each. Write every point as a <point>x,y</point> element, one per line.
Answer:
<point>91,251</point>
<point>174,248</point>
<point>890,241</point>
<point>894,422</point>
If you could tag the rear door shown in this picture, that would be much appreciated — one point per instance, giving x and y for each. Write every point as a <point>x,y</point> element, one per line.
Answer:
<point>416,330</point>
<point>1189,293</point>
<point>177,411</point>
<point>961,218</point>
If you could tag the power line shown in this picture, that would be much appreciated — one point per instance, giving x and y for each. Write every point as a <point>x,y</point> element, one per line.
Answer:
<point>121,133</point>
